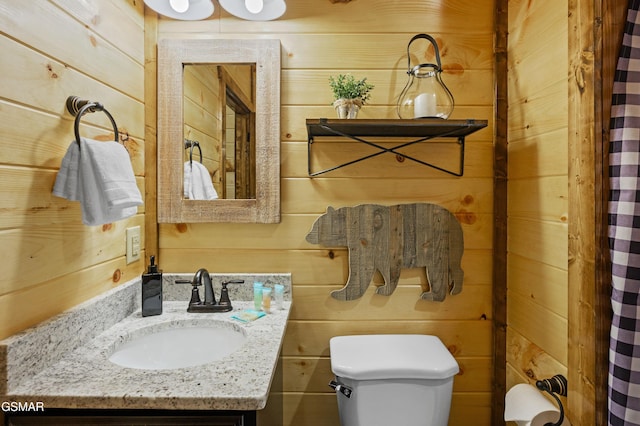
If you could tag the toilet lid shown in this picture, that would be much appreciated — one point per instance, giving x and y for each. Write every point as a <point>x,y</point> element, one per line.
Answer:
<point>391,356</point>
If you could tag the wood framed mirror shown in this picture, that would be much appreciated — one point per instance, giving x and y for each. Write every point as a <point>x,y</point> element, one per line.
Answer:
<point>219,105</point>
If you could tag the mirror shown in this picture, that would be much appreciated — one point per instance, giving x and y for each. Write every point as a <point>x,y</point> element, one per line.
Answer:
<point>218,131</point>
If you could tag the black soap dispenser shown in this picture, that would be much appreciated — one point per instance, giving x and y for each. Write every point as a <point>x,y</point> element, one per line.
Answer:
<point>152,290</point>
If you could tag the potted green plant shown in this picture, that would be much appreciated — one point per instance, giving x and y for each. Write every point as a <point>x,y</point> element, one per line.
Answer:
<point>349,94</point>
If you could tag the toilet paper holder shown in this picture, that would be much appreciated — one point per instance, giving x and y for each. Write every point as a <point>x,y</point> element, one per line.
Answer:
<point>555,385</point>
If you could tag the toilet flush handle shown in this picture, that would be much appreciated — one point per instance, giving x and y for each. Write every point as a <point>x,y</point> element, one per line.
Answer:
<point>345,390</point>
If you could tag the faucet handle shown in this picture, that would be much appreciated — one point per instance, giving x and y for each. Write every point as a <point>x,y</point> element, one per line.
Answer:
<point>224,293</point>
<point>195,294</point>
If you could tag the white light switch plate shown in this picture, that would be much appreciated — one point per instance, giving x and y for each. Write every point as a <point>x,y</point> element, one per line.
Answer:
<point>133,244</point>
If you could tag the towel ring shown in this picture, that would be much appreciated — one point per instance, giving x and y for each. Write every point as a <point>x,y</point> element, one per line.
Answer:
<point>78,107</point>
<point>188,143</point>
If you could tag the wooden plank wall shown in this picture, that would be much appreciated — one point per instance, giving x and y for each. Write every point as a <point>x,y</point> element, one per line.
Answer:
<point>558,274</point>
<point>52,49</point>
<point>324,38</point>
<point>585,61</point>
<point>537,260</point>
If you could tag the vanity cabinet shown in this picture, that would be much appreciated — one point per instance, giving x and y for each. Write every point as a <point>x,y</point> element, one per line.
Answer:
<point>132,417</point>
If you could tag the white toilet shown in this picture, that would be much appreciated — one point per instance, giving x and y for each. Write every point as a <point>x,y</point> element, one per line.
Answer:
<point>392,379</point>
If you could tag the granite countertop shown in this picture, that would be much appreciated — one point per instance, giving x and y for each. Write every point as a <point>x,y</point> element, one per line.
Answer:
<point>81,376</point>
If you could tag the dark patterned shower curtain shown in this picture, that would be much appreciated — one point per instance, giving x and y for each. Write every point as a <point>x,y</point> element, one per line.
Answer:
<point>624,229</point>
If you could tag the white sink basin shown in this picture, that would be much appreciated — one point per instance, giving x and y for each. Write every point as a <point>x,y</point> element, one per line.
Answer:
<point>168,346</point>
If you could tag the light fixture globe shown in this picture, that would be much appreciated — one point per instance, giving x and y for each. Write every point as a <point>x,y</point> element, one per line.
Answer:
<point>197,10</point>
<point>271,9</point>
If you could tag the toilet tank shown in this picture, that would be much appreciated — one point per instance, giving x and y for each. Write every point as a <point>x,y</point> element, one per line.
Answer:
<point>393,379</point>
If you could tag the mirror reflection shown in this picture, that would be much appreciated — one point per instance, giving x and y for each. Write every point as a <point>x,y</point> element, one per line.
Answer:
<point>221,99</point>
<point>219,129</point>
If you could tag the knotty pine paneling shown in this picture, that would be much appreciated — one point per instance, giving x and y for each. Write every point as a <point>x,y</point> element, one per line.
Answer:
<point>535,32</point>
<point>93,54</point>
<point>544,242</point>
<point>52,80</point>
<point>545,284</point>
<point>538,155</point>
<point>542,327</point>
<point>320,39</point>
<point>120,22</point>
<point>528,361</point>
<point>459,52</point>
<point>39,253</point>
<point>312,267</point>
<point>317,92</point>
<point>316,303</point>
<point>465,338</point>
<point>544,198</point>
<point>289,235</point>
<point>51,50</point>
<point>537,260</point>
<point>540,114</point>
<point>473,198</point>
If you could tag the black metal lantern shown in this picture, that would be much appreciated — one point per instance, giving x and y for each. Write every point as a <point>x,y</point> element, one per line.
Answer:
<point>425,94</point>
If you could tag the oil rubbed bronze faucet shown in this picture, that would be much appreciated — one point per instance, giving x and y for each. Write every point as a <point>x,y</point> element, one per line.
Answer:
<point>209,304</point>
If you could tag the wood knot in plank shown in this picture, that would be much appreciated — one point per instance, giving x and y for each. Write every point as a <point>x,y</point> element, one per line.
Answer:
<point>377,220</point>
<point>52,73</point>
<point>467,217</point>
<point>454,69</point>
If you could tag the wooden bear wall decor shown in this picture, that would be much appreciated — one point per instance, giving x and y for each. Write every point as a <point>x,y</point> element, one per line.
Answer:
<point>389,238</point>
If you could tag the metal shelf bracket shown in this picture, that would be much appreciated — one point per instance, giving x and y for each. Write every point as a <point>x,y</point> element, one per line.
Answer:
<point>422,130</point>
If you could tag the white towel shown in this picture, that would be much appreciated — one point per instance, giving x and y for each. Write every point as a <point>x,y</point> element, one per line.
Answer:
<point>99,175</point>
<point>197,182</point>
<point>66,185</point>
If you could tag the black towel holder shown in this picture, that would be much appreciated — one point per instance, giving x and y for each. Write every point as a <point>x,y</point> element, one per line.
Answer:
<point>78,107</point>
<point>188,143</point>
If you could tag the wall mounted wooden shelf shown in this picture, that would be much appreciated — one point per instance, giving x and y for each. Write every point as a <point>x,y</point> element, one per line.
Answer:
<point>422,129</point>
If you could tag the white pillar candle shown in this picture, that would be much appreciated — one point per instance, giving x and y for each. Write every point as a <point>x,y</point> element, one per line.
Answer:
<point>424,105</point>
